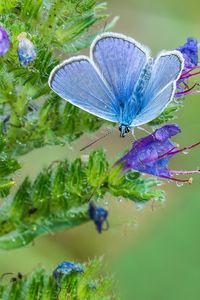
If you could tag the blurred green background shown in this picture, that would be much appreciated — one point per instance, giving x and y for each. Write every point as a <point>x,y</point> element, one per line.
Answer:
<point>155,253</point>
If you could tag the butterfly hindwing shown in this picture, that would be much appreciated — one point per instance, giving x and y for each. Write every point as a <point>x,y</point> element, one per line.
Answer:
<point>161,87</point>
<point>157,106</point>
<point>77,81</point>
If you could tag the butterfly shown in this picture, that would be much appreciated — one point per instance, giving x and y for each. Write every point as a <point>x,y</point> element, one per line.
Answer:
<point>120,82</point>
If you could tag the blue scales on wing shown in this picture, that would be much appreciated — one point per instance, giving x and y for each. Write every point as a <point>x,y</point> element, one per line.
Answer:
<point>77,81</point>
<point>119,82</point>
<point>121,61</point>
<point>101,84</point>
<point>161,86</point>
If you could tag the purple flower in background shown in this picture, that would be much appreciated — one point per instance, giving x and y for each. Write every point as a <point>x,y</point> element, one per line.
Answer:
<point>190,54</point>
<point>26,50</point>
<point>98,215</point>
<point>152,153</point>
<point>4,41</point>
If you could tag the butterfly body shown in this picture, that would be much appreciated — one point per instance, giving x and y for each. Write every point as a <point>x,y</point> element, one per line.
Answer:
<point>120,82</point>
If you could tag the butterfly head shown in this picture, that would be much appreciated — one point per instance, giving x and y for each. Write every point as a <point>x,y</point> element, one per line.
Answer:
<point>124,129</point>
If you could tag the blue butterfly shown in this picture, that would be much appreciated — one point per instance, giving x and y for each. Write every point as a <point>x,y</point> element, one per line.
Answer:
<point>120,82</point>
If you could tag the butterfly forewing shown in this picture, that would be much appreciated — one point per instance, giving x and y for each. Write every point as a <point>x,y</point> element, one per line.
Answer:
<point>120,60</point>
<point>77,81</point>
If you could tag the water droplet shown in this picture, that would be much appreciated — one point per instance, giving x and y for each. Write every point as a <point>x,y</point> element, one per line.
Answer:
<point>139,205</point>
<point>179,184</point>
<point>34,227</point>
<point>186,152</point>
<point>120,199</point>
<point>160,183</point>
<point>85,158</point>
<point>105,202</point>
<point>178,101</point>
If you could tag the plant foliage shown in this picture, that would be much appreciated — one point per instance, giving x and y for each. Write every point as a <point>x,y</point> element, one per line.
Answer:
<point>8,165</point>
<point>59,196</point>
<point>32,116</point>
<point>40,284</point>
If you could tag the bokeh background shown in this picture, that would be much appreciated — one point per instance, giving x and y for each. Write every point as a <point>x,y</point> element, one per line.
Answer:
<point>154,251</point>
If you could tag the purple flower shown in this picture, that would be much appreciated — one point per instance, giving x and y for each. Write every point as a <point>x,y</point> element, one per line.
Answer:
<point>98,215</point>
<point>190,54</point>
<point>152,153</point>
<point>4,41</point>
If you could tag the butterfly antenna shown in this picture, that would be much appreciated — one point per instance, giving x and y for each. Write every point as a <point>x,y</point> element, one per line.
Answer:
<point>97,140</point>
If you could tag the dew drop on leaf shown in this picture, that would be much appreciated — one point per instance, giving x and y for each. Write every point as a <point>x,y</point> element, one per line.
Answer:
<point>179,184</point>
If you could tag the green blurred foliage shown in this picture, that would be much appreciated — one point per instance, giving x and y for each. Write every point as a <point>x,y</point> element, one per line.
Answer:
<point>8,165</point>
<point>59,196</point>
<point>40,284</point>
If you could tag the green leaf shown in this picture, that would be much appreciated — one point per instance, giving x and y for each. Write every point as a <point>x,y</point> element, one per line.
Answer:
<point>8,165</point>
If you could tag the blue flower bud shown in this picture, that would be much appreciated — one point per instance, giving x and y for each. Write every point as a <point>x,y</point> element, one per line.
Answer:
<point>98,215</point>
<point>26,50</point>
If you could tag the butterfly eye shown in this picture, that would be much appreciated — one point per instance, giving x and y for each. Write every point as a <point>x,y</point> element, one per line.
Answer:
<point>123,130</point>
<point>127,130</point>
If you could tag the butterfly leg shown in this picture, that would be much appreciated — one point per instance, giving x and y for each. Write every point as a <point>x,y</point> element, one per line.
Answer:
<point>143,129</point>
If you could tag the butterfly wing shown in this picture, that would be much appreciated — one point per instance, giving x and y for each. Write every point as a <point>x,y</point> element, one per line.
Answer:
<point>160,90</point>
<point>78,81</point>
<point>120,60</point>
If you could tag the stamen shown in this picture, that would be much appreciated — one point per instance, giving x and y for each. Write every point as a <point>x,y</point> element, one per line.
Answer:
<point>185,148</point>
<point>182,172</point>
<point>190,70</point>
<point>171,152</point>
<point>186,85</point>
<point>187,91</point>
<point>190,75</point>
<point>177,179</point>
<point>166,153</point>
